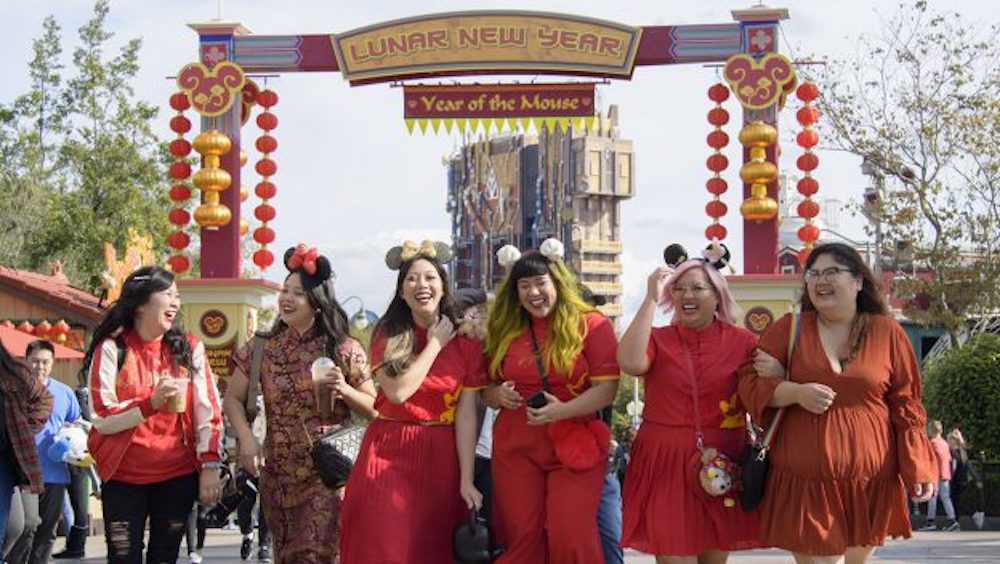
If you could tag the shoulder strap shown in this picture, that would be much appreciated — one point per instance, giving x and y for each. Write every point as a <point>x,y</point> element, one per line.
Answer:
<point>793,338</point>
<point>538,359</point>
<point>253,391</point>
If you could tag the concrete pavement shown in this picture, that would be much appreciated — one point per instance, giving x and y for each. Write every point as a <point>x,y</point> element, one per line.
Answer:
<point>222,547</point>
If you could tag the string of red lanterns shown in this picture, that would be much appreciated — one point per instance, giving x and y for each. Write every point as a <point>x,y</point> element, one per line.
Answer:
<point>265,189</point>
<point>180,192</point>
<point>808,138</point>
<point>717,162</point>
<point>57,332</point>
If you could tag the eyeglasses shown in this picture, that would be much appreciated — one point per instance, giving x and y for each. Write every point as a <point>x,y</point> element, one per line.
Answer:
<point>681,290</point>
<point>826,274</point>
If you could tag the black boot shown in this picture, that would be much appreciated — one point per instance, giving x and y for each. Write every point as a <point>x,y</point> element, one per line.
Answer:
<point>75,544</point>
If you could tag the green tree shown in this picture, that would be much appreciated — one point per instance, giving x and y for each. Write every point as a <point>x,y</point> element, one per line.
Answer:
<point>963,390</point>
<point>919,103</point>
<point>110,171</point>
<point>621,421</point>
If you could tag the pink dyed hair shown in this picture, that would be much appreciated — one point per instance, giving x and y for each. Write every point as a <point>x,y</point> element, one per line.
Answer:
<point>727,310</point>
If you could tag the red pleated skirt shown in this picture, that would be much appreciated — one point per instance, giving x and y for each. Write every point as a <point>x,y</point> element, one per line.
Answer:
<point>401,502</point>
<point>664,510</point>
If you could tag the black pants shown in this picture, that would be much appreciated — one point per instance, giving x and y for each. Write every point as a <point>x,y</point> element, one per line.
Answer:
<point>244,518</point>
<point>196,529</point>
<point>483,480</point>
<point>41,515</point>
<point>79,491</point>
<point>128,506</point>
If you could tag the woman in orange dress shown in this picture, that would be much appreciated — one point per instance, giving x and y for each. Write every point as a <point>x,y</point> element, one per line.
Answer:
<point>666,512</point>
<point>852,441</point>
<point>404,496</point>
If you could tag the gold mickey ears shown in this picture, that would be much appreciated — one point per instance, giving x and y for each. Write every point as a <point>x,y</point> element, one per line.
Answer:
<point>435,250</point>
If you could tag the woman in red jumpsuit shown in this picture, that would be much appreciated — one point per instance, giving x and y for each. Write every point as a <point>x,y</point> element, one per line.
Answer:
<point>548,461</point>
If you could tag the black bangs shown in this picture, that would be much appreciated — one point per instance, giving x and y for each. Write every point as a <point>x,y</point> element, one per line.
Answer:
<point>531,263</point>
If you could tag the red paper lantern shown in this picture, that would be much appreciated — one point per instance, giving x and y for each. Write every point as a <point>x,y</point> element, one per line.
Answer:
<point>807,138</point>
<point>267,121</point>
<point>178,240</point>
<point>808,233</point>
<point>263,235</point>
<point>8,324</point>
<point>717,186</point>
<point>267,144</point>
<point>808,186</point>
<point>179,193</point>
<point>266,167</point>
<point>179,263</point>
<point>808,209</point>
<point>715,231</point>
<point>180,124</point>
<point>265,190</point>
<point>179,101</point>
<point>807,162</point>
<point>716,209</point>
<point>179,170</point>
<point>263,258</point>
<point>61,327</point>
<point>264,213</point>
<point>717,162</point>
<point>26,327</point>
<point>43,328</point>
<point>807,92</point>
<point>718,93</point>
<point>267,99</point>
<point>718,117</point>
<point>180,147</point>
<point>804,255</point>
<point>807,115</point>
<point>178,216</point>
<point>718,139</point>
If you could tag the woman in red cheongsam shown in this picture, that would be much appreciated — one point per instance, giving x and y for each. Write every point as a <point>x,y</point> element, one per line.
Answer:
<point>548,460</point>
<point>404,498</point>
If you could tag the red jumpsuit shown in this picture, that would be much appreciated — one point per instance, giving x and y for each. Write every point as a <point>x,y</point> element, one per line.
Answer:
<point>548,512</point>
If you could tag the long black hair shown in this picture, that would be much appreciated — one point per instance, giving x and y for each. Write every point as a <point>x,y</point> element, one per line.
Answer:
<point>14,369</point>
<point>121,315</point>
<point>396,325</point>
<point>331,320</point>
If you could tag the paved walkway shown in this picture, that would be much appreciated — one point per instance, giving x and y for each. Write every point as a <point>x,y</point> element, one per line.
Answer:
<point>222,547</point>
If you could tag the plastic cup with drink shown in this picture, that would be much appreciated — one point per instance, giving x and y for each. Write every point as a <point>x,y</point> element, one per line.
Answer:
<point>177,403</point>
<point>321,368</point>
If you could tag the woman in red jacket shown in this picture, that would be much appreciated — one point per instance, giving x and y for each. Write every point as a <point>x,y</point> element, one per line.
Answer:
<point>157,420</point>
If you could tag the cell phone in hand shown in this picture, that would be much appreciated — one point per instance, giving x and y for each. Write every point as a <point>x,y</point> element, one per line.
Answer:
<point>537,400</point>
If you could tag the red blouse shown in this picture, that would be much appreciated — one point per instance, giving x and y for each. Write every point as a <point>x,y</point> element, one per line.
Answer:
<point>595,363</point>
<point>459,365</point>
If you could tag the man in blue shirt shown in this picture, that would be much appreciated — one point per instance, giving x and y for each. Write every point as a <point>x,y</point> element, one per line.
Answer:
<point>41,512</point>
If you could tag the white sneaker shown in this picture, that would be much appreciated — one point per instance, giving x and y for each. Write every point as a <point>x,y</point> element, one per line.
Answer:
<point>194,557</point>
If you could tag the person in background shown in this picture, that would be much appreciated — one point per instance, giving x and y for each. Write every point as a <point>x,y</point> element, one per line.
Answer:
<point>78,493</point>
<point>41,512</point>
<point>157,423</point>
<point>943,491</point>
<point>963,475</point>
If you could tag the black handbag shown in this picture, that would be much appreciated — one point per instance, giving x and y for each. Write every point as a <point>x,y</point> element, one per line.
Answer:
<point>472,540</point>
<point>334,452</point>
<point>754,463</point>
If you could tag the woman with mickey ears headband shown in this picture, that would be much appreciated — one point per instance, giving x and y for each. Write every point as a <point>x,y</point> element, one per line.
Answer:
<point>405,497</point>
<point>552,358</point>
<point>157,423</point>
<point>690,372</point>
<point>303,514</point>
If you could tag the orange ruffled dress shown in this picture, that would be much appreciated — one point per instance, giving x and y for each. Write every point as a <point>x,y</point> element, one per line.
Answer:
<point>837,480</point>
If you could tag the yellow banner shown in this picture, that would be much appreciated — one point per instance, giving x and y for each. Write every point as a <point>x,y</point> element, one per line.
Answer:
<point>485,125</point>
<point>470,42</point>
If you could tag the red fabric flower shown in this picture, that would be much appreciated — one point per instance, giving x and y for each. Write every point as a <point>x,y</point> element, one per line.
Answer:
<point>304,259</point>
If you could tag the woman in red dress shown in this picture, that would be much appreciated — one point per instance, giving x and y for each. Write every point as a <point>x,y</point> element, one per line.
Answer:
<point>404,498</point>
<point>549,448</point>
<point>852,441</point>
<point>666,511</point>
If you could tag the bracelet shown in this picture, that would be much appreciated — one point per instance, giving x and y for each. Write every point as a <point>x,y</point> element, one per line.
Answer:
<point>211,465</point>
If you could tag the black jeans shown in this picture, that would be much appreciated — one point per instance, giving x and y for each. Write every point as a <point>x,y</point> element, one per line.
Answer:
<point>126,508</point>
<point>244,518</point>
<point>79,492</point>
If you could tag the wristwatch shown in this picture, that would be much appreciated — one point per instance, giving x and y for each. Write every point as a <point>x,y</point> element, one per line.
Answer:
<point>211,465</point>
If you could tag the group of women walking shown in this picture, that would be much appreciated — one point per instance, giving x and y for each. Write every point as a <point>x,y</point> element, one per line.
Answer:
<point>850,449</point>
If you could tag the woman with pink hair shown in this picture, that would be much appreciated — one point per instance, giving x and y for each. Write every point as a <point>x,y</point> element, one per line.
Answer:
<point>677,499</point>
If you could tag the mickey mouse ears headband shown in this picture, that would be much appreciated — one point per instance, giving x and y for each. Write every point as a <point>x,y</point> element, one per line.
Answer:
<point>409,250</point>
<point>551,248</point>
<point>313,267</point>
<point>715,254</point>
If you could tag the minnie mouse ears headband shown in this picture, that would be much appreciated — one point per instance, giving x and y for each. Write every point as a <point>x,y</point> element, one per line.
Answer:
<point>551,248</point>
<point>434,250</point>
<point>313,267</point>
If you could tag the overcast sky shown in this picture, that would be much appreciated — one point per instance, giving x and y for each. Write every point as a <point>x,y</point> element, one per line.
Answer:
<point>354,182</point>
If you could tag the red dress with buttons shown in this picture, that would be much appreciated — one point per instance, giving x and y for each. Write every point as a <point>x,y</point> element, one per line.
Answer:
<point>401,502</point>
<point>548,512</point>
